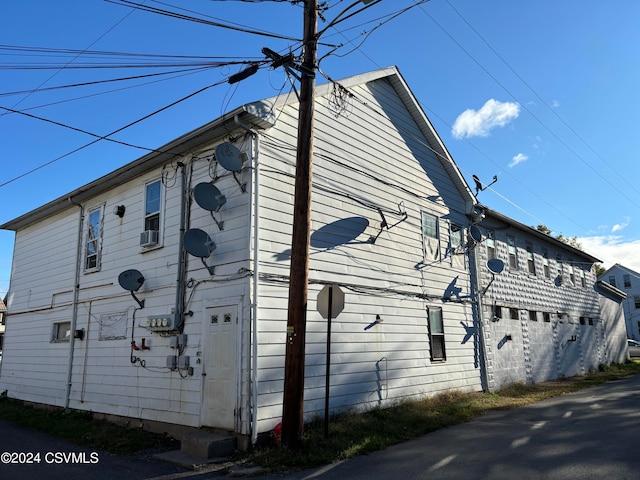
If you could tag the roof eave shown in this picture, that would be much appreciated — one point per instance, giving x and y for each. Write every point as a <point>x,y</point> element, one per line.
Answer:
<point>256,115</point>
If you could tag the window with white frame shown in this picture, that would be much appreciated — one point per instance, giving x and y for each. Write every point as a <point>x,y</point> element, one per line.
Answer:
<point>513,253</point>
<point>491,244</point>
<point>152,200</point>
<point>61,332</point>
<point>457,248</point>
<point>93,245</point>
<point>430,237</point>
<point>436,334</point>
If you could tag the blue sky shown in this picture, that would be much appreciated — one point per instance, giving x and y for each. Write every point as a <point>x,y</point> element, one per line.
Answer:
<point>542,94</point>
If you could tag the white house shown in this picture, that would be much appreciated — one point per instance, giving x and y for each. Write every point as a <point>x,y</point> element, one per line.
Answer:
<point>544,315</point>
<point>162,292</point>
<point>628,281</point>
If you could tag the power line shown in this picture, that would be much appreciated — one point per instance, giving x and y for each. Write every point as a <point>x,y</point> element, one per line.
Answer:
<point>216,22</point>
<point>103,137</point>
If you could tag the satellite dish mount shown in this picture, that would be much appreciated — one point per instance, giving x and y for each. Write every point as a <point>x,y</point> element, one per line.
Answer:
<point>401,211</point>
<point>132,280</point>
<point>495,265</point>
<point>479,186</point>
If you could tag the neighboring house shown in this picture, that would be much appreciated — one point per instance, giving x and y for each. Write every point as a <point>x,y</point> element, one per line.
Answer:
<point>628,281</point>
<point>199,337</point>
<point>540,308</point>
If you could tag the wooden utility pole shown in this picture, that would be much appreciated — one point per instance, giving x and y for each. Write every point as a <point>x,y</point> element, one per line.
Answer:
<point>292,408</point>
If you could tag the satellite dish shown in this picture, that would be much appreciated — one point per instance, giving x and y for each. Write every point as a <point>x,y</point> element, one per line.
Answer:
<point>132,280</point>
<point>199,244</point>
<point>475,234</point>
<point>229,156</point>
<point>495,265</point>
<point>209,197</point>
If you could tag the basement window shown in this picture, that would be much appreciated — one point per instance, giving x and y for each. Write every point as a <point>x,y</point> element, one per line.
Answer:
<point>61,332</point>
<point>436,335</point>
<point>514,314</point>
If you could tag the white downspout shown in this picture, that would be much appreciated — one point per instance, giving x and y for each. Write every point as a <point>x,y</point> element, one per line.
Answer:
<point>255,152</point>
<point>76,295</point>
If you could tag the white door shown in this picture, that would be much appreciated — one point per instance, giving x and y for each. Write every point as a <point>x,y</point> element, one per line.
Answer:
<point>219,370</point>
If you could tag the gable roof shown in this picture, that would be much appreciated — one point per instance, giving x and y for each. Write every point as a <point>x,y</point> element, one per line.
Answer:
<point>257,115</point>
<point>617,266</point>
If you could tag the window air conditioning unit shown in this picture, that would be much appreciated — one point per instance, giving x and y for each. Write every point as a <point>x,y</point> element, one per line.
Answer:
<point>149,238</point>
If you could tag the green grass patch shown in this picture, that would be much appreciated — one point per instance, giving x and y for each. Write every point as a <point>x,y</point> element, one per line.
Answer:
<point>81,428</point>
<point>352,434</point>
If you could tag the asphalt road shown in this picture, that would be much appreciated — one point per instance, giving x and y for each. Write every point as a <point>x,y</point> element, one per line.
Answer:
<point>592,434</point>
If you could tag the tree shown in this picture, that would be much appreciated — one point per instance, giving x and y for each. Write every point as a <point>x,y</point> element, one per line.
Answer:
<point>571,241</point>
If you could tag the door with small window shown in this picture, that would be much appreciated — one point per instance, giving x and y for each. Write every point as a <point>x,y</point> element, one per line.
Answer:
<point>220,367</point>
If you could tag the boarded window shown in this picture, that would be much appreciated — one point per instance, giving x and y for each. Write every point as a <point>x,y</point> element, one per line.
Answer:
<point>436,334</point>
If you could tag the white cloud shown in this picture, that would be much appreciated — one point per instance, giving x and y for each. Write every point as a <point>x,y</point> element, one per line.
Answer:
<point>620,226</point>
<point>519,158</point>
<point>478,123</point>
<point>555,104</point>
<point>612,249</point>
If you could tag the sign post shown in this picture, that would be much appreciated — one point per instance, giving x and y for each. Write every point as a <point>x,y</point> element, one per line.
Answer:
<point>330,303</point>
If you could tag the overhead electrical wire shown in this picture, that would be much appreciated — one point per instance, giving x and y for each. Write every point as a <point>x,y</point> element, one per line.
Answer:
<point>554,112</point>
<point>105,137</point>
<point>215,22</point>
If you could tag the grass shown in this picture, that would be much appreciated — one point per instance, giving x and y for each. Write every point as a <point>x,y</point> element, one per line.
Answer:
<point>350,434</point>
<point>81,428</point>
<point>358,434</point>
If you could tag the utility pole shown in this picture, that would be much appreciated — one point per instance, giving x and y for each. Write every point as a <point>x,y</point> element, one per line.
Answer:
<point>293,401</point>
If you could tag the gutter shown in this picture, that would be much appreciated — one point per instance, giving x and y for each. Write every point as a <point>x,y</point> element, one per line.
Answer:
<point>255,147</point>
<point>76,295</point>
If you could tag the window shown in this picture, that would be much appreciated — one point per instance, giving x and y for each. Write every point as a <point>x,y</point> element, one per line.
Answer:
<point>533,315</point>
<point>514,314</point>
<point>590,321</point>
<point>497,312</point>
<point>436,334</point>
<point>513,253</point>
<point>61,332</point>
<point>94,240</point>
<point>531,264</point>
<point>545,263</point>
<point>612,280</point>
<point>583,320</point>
<point>636,301</point>
<point>626,278</point>
<point>430,236</point>
<point>456,248</point>
<point>546,317</point>
<point>491,244</point>
<point>572,275</point>
<point>583,279</point>
<point>152,206</point>
<point>559,266</point>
